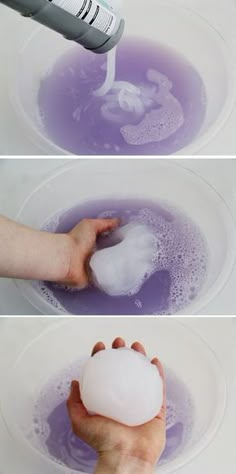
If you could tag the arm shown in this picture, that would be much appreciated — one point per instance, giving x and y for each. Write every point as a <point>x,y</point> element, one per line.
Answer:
<point>117,463</point>
<point>32,254</point>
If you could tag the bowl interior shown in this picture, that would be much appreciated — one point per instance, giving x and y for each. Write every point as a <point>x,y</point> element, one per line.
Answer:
<point>176,345</point>
<point>167,23</point>
<point>83,181</point>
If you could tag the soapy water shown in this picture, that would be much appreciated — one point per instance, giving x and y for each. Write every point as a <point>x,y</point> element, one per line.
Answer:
<point>51,431</point>
<point>178,267</point>
<point>144,99</point>
<point>155,125</point>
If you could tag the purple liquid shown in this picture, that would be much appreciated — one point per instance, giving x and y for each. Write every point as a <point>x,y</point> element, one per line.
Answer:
<point>181,261</point>
<point>174,102</point>
<point>53,430</point>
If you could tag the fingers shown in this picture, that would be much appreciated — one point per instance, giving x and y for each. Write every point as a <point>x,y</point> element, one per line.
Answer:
<point>138,347</point>
<point>118,343</point>
<point>99,346</point>
<point>103,225</point>
<point>160,368</point>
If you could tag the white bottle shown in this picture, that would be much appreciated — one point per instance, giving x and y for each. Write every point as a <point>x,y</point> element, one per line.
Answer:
<point>98,14</point>
<point>95,24</point>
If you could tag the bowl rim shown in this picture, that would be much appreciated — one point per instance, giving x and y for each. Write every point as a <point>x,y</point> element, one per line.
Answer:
<point>46,145</point>
<point>195,307</point>
<point>170,467</point>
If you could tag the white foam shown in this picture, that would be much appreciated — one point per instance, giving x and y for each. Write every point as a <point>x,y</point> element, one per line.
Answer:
<point>122,102</point>
<point>176,255</point>
<point>123,385</point>
<point>159,123</point>
<point>123,268</point>
<point>180,249</point>
<point>159,112</point>
<point>52,223</point>
<point>48,295</point>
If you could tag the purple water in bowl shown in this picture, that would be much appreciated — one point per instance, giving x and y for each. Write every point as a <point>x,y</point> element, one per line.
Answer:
<point>180,261</point>
<point>53,430</point>
<point>164,115</point>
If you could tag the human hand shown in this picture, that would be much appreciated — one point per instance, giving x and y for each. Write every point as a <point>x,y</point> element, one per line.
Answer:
<point>83,239</point>
<point>32,254</point>
<point>121,449</point>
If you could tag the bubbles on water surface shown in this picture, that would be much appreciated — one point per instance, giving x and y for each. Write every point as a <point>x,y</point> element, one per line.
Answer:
<point>155,110</point>
<point>164,117</point>
<point>52,431</point>
<point>178,261</point>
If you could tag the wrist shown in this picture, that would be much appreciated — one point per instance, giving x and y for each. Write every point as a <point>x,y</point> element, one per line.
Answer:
<point>74,274</point>
<point>60,257</point>
<point>122,463</point>
<point>68,252</point>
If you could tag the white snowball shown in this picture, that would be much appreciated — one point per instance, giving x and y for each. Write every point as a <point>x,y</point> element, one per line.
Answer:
<point>123,385</point>
<point>123,268</point>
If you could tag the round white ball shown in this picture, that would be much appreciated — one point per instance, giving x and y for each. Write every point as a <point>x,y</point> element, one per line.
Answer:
<point>123,385</point>
<point>122,269</point>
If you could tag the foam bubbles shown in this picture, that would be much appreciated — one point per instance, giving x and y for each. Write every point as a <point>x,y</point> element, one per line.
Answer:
<point>163,120</point>
<point>159,113</point>
<point>48,296</point>
<point>123,268</point>
<point>186,263</point>
<point>178,261</point>
<point>52,223</point>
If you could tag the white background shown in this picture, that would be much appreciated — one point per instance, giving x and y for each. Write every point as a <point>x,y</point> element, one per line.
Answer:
<point>220,333</point>
<point>220,13</point>
<point>18,177</point>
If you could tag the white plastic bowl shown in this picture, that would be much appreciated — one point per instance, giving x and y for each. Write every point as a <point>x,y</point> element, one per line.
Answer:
<point>177,346</point>
<point>171,24</point>
<point>86,180</point>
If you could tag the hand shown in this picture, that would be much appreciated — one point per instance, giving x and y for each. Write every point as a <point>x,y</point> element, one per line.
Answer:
<point>83,239</point>
<point>32,254</point>
<point>121,449</point>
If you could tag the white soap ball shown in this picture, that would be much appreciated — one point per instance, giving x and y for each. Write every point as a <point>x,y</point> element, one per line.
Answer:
<point>123,268</point>
<point>123,385</point>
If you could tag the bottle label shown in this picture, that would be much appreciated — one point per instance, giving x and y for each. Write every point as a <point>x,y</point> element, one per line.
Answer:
<point>92,12</point>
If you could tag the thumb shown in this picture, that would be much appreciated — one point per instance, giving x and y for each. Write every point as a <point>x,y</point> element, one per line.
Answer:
<point>75,406</point>
<point>75,396</point>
